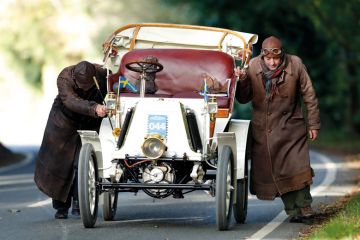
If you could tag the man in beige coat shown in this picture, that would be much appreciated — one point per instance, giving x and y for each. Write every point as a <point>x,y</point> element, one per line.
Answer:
<point>276,83</point>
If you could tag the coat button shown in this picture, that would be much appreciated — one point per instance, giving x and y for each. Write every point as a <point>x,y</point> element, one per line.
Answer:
<point>269,131</point>
<point>269,113</point>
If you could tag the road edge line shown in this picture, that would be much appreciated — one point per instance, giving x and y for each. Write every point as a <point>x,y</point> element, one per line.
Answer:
<point>25,161</point>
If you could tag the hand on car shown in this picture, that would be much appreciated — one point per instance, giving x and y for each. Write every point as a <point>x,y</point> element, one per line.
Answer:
<point>100,110</point>
<point>240,73</point>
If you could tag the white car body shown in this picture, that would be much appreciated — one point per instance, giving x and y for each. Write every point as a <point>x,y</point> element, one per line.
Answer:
<point>120,152</point>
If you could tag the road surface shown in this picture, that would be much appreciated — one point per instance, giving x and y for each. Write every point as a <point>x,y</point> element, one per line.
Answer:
<point>26,213</point>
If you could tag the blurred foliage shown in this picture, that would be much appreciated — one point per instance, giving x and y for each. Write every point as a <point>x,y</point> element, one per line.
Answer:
<point>338,142</point>
<point>40,33</point>
<point>35,35</point>
<point>324,33</point>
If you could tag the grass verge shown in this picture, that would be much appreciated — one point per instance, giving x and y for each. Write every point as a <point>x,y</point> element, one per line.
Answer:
<point>344,224</point>
<point>340,220</point>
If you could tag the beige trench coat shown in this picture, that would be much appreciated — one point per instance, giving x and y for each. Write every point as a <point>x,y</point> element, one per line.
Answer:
<point>280,160</point>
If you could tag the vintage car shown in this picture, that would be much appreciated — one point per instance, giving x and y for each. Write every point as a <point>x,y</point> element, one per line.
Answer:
<point>169,129</point>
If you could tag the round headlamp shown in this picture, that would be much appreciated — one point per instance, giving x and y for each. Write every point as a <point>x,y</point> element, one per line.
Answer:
<point>153,146</point>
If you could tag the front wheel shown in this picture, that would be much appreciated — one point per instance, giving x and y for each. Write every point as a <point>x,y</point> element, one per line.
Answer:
<point>87,179</point>
<point>110,205</point>
<point>224,188</point>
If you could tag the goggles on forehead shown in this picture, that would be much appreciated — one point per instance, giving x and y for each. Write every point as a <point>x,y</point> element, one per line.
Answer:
<point>266,51</point>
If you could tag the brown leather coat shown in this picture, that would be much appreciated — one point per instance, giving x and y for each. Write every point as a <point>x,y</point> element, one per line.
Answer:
<point>280,160</point>
<point>73,109</point>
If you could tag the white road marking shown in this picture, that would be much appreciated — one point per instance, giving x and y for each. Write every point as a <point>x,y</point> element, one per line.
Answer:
<point>16,176</point>
<point>40,204</point>
<point>18,189</point>
<point>281,217</point>
<point>26,161</point>
<point>6,181</point>
<point>14,182</point>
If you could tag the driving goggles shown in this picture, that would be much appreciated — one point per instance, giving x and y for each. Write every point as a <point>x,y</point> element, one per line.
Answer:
<point>275,51</point>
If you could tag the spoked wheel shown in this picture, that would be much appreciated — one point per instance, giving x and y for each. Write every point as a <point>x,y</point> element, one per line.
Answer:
<point>240,207</point>
<point>110,205</point>
<point>224,188</point>
<point>87,178</point>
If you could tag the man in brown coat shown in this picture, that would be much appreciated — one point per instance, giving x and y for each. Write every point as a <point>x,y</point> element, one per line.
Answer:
<point>276,83</point>
<point>77,106</point>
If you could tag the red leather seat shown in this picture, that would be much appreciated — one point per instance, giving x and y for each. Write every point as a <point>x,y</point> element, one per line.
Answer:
<point>182,76</point>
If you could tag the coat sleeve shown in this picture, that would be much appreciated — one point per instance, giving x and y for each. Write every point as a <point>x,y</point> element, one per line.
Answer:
<point>309,98</point>
<point>244,92</point>
<point>70,99</point>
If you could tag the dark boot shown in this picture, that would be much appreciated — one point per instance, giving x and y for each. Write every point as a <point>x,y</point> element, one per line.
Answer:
<point>302,219</point>
<point>75,208</point>
<point>61,208</point>
<point>178,193</point>
<point>61,213</point>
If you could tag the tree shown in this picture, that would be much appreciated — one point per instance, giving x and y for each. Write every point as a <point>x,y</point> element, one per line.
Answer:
<point>340,26</point>
<point>325,34</point>
<point>41,37</point>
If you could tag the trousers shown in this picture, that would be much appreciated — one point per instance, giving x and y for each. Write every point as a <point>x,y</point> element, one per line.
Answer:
<point>296,200</point>
<point>73,195</point>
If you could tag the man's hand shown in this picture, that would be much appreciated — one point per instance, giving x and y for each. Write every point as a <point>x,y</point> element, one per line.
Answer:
<point>313,133</point>
<point>100,110</point>
<point>240,73</point>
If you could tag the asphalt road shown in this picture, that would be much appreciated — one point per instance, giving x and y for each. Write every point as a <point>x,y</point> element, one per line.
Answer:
<point>26,213</point>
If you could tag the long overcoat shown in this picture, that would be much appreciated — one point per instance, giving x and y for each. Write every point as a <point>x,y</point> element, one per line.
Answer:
<point>73,109</point>
<point>280,160</point>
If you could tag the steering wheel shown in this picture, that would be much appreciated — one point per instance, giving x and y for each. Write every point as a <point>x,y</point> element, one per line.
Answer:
<point>144,67</point>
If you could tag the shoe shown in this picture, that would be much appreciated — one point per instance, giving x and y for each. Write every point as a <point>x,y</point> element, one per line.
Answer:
<point>306,211</point>
<point>61,214</point>
<point>296,219</point>
<point>178,194</point>
<point>75,212</point>
<point>75,208</point>
<point>302,219</point>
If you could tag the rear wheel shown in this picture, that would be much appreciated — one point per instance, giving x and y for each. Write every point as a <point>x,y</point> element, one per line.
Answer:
<point>240,208</point>
<point>110,205</point>
<point>87,179</point>
<point>224,188</point>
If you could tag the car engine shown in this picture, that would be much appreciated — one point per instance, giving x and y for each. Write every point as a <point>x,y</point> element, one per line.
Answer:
<point>162,174</point>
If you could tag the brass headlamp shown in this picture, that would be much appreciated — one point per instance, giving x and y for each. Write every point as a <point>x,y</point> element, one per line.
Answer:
<point>153,146</point>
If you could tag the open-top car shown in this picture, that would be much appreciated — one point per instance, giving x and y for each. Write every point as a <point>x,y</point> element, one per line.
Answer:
<point>169,129</point>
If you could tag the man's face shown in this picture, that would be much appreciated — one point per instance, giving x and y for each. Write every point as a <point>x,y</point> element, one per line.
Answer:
<point>272,62</point>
